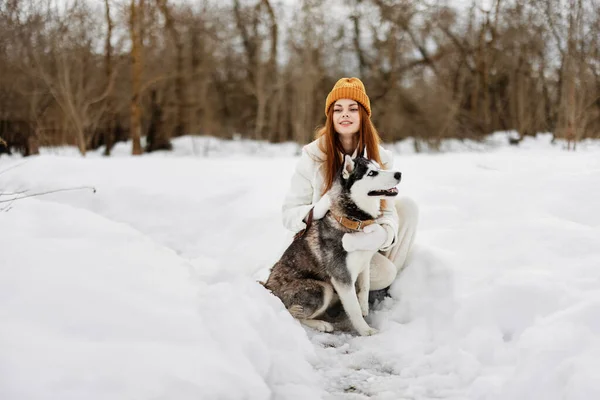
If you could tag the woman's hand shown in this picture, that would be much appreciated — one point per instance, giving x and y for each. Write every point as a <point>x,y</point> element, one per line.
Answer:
<point>371,238</point>
<point>321,207</point>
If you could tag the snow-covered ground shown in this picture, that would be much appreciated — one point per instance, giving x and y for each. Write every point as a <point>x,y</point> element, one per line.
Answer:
<point>146,289</point>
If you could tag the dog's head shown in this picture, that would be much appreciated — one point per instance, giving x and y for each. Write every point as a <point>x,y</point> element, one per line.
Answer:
<point>364,183</point>
<point>362,176</point>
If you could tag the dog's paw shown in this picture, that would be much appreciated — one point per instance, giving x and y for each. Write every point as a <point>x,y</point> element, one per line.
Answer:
<point>317,324</point>
<point>364,310</point>
<point>323,326</point>
<point>297,311</point>
<point>368,332</point>
<point>364,305</point>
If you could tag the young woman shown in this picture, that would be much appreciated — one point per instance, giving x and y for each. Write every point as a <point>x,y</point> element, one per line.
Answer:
<point>349,130</point>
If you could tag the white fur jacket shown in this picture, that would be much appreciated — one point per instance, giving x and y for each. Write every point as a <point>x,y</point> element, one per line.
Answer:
<point>308,182</point>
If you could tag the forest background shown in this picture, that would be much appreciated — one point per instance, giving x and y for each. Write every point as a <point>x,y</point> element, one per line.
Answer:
<point>92,73</point>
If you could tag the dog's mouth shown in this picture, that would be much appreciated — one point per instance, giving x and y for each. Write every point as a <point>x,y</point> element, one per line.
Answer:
<point>387,192</point>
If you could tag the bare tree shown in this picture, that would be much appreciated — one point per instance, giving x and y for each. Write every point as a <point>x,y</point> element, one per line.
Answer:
<point>108,67</point>
<point>180,93</point>
<point>159,69</point>
<point>136,7</point>
<point>262,73</point>
<point>67,69</point>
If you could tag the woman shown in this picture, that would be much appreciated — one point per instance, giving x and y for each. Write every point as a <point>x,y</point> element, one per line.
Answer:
<point>349,130</point>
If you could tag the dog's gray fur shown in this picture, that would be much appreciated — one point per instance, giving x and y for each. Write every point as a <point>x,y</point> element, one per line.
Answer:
<point>315,269</point>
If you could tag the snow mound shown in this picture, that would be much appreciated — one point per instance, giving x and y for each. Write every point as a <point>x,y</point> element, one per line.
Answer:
<point>92,309</point>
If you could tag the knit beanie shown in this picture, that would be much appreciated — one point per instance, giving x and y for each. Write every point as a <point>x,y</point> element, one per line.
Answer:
<point>348,88</point>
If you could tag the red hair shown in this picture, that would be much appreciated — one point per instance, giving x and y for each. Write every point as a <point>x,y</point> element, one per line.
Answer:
<point>368,138</point>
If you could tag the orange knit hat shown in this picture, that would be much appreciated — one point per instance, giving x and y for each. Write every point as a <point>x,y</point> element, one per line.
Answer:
<point>348,88</point>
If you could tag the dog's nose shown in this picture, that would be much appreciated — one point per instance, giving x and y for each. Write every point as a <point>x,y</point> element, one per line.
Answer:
<point>398,175</point>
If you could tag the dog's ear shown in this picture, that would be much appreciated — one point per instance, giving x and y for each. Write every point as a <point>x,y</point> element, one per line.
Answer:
<point>348,167</point>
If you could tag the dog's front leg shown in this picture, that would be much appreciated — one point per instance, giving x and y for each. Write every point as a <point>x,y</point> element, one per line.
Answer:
<point>347,294</point>
<point>363,281</point>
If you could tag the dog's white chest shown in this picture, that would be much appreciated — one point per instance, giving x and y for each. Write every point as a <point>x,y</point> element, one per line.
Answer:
<point>357,261</point>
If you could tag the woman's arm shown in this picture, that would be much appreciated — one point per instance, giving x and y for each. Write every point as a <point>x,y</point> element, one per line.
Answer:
<point>298,200</point>
<point>389,217</point>
<point>389,220</point>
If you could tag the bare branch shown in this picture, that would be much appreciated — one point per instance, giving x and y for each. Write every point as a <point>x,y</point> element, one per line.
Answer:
<point>93,189</point>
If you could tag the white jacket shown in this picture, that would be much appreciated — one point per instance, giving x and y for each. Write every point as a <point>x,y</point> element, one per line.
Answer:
<point>308,182</point>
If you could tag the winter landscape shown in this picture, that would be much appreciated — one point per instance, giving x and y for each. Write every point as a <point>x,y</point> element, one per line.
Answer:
<point>146,289</point>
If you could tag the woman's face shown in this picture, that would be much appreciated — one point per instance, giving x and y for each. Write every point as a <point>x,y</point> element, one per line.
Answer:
<point>346,117</point>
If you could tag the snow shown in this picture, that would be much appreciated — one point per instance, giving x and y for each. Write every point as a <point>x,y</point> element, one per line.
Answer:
<point>147,288</point>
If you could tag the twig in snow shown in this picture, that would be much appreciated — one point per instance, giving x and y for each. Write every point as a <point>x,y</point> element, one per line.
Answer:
<point>14,193</point>
<point>14,166</point>
<point>93,189</point>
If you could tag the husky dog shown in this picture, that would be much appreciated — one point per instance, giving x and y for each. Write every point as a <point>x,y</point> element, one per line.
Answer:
<point>316,270</point>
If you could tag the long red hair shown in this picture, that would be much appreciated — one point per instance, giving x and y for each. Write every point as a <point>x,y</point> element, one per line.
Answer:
<point>368,138</point>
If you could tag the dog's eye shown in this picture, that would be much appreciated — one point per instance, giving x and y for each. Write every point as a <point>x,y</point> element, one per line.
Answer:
<point>372,173</point>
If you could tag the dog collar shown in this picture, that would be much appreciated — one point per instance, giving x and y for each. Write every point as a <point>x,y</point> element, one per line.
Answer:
<point>351,223</point>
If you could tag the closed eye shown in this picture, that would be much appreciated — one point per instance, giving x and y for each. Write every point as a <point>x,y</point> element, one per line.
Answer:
<point>372,173</point>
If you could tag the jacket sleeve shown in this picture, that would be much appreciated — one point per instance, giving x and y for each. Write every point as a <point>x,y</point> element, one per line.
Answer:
<point>389,217</point>
<point>298,200</point>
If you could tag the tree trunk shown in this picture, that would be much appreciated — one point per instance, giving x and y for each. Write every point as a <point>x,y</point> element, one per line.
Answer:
<point>136,76</point>
<point>180,92</point>
<point>32,145</point>
<point>109,128</point>
<point>156,140</point>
